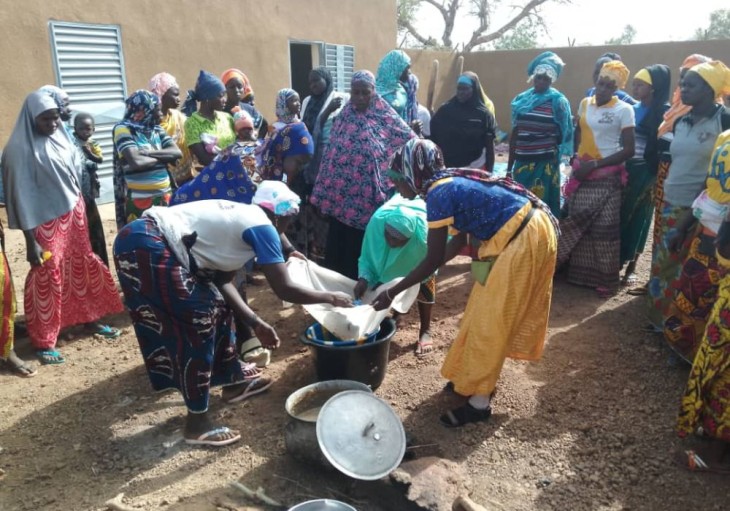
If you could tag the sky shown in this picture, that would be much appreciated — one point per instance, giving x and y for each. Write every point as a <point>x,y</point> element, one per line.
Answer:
<point>654,20</point>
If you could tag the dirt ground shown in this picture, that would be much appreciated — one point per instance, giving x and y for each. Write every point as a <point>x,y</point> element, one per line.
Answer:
<point>588,427</point>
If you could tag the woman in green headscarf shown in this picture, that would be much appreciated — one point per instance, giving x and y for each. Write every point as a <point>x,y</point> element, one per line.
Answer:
<point>394,243</point>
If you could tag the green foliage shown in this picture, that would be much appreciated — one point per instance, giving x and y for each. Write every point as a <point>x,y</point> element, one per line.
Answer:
<point>626,37</point>
<point>523,37</point>
<point>719,26</point>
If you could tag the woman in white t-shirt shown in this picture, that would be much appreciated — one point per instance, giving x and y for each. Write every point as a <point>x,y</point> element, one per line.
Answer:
<point>590,237</point>
<point>175,267</point>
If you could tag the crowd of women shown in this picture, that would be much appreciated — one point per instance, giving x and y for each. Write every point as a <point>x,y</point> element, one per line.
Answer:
<point>372,185</point>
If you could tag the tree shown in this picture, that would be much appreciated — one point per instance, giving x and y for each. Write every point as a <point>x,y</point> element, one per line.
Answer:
<point>481,10</point>
<point>719,26</point>
<point>626,37</point>
<point>523,37</point>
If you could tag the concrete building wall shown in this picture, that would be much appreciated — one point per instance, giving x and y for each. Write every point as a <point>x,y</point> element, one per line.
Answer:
<point>503,73</point>
<point>184,36</point>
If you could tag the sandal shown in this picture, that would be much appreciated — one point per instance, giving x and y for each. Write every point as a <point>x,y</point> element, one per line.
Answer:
<point>465,414</point>
<point>50,357</point>
<point>250,371</point>
<point>205,438</point>
<point>630,280</point>
<point>694,463</point>
<point>253,352</point>
<point>638,291</point>
<point>252,388</point>
<point>19,369</point>
<point>424,346</point>
<point>107,332</point>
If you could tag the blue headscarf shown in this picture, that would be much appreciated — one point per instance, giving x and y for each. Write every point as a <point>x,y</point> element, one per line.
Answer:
<point>292,140</point>
<point>550,64</point>
<point>390,70</point>
<point>140,112</point>
<point>208,86</point>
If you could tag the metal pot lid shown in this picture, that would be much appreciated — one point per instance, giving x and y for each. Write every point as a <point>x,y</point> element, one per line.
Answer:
<point>361,435</point>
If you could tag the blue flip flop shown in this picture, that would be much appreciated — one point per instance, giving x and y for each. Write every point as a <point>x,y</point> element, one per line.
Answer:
<point>108,332</point>
<point>50,357</point>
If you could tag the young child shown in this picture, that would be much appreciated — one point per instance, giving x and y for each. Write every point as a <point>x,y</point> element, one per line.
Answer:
<point>92,156</point>
<point>394,244</point>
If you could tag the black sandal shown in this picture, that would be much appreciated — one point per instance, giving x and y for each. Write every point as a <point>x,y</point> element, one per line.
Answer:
<point>465,414</point>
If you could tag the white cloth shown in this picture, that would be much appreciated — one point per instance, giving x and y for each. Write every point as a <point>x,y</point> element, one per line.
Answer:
<point>277,198</point>
<point>606,123</point>
<point>345,323</point>
<point>425,117</point>
<point>710,213</point>
<point>219,224</point>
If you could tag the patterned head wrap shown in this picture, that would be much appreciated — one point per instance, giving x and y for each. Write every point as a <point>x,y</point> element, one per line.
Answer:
<point>282,110</point>
<point>242,119</point>
<point>716,75</point>
<point>416,163</point>
<point>364,76</point>
<point>390,70</point>
<point>58,94</point>
<point>292,140</point>
<point>277,198</point>
<point>161,83</point>
<point>140,110</point>
<point>208,87</point>
<point>616,71</point>
<point>547,63</point>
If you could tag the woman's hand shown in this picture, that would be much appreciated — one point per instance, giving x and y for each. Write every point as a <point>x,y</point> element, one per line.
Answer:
<point>417,126</point>
<point>382,301</point>
<point>34,253</point>
<point>360,288</point>
<point>584,169</point>
<point>296,254</point>
<point>334,105</point>
<point>339,299</point>
<point>267,335</point>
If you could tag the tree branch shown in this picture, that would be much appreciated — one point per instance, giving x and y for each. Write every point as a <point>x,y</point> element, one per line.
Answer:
<point>478,37</point>
<point>416,35</point>
<point>439,6</point>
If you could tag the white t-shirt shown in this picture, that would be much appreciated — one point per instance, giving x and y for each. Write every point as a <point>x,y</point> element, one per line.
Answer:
<point>229,234</point>
<point>601,126</point>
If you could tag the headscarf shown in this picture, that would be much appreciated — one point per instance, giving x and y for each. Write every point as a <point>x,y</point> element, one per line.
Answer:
<point>403,219</point>
<point>277,198</point>
<point>390,70</point>
<point>242,119</point>
<point>525,102</point>
<point>316,103</point>
<point>679,109</point>
<point>411,87</point>
<point>237,73</point>
<point>41,174</point>
<point>208,87</point>
<point>616,71</point>
<point>547,63</point>
<point>161,83</point>
<point>351,183</point>
<point>420,163</point>
<point>716,75</point>
<point>59,95</point>
<point>139,113</point>
<point>291,140</point>
<point>282,110</point>
<point>480,97</point>
<point>660,77</point>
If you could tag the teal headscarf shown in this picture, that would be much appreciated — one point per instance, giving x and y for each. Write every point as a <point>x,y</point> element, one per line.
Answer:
<point>550,64</point>
<point>388,83</point>
<point>379,262</point>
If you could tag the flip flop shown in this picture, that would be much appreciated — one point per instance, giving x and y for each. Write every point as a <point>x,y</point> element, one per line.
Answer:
<point>693,462</point>
<point>107,332</point>
<point>50,357</point>
<point>253,387</point>
<point>638,291</point>
<point>22,370</point>
<point>203,439</point>
<point>424,348</point>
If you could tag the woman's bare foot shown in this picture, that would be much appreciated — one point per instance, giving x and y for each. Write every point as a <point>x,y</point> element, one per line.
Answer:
<point>17,366</point>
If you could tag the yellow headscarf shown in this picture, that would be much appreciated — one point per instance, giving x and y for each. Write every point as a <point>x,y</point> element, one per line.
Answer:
<point>643,75</point>
<point>616,71</point>
<point>716,74</point>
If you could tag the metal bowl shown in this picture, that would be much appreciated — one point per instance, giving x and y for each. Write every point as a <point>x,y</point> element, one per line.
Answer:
<point>322,505</point>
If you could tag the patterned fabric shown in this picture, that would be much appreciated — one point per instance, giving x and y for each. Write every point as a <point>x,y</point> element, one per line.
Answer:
<point>412,100</point>
<point>658,198</point>
<point>229,176</point>
<point>283,114</point>
<point>508,315</point>
<point>636,209</point>
<point>161,83</point>
<point>388,84</point>
<point>542,178</point>
<point>616,71</point>
<point>547,63</point>
<point>183,326</point>
<point>140,110</point>
<point>666,265</point>
<point>7,305</point>
<point>544,123</point>
<point>352,183</point>
<point>590,239</point>
<point>694,296</point>
<point>427,291</point>
<point>706,399</point>
<point>135,207</point>
<point>292,140</point>
<point>72,287</point>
